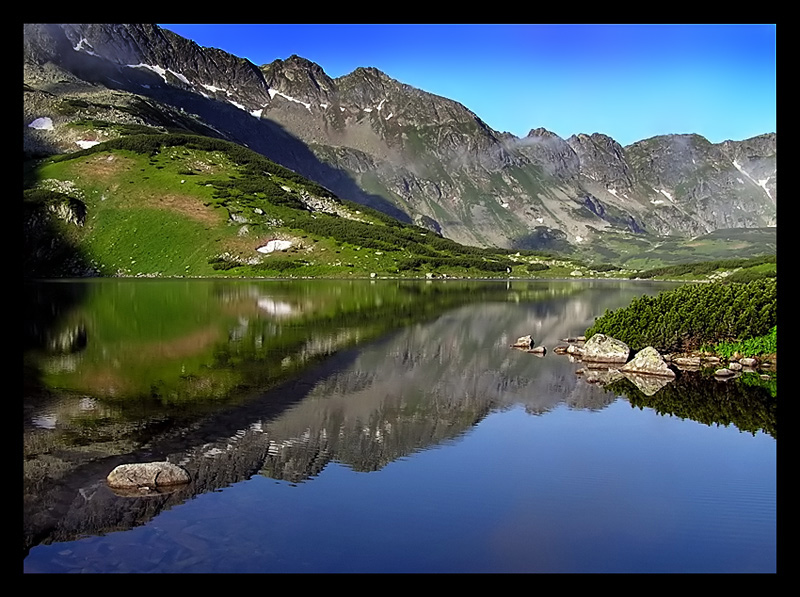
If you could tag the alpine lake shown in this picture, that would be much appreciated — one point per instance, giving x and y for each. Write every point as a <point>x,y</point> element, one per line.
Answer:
<point>377,426</point>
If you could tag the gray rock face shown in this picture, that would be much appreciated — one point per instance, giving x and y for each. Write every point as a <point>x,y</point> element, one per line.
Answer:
<point>550,152</point>
<point>605,349</point>
<point>147,475</point>
<point>603,160</point>
<point>648,361</point>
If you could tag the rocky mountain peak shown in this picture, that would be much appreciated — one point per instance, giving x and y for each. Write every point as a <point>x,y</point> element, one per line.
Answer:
<point>602,160</point>
<point>144,56</point>
<point>368,73</point>
<point>300,78</point>
<point>542,132</point>
<point>550,152</point>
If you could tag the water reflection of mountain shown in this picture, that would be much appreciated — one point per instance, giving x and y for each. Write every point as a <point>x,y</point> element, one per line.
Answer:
<point>427,383</point>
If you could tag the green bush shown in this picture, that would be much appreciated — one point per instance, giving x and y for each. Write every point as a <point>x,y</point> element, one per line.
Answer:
<point>750,347</point>
<point>694,315</point>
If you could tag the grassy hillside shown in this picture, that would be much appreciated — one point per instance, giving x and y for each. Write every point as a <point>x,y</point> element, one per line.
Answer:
<point>732,270</point>
<point>150,203</point>
<point>185,205</point>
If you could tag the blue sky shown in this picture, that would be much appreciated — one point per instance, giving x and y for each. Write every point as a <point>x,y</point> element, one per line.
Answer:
<point>630,82</point>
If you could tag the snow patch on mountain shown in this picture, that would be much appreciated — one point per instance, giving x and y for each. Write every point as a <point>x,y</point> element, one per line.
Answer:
<point>42,124</point>
<point>214,89</point>
<point>761,183</point>
<point>274,92</point>
<point>83,46</point>
<point>275,245</point>
<point>161,72</point>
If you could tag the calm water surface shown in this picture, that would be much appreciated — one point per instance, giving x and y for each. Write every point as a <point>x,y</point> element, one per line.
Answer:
<point>377,427</point>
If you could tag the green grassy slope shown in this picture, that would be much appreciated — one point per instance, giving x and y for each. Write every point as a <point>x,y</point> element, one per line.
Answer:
<point>185,205</point>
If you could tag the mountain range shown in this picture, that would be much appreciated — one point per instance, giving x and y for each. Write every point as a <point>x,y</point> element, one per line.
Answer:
<point>416,156</point>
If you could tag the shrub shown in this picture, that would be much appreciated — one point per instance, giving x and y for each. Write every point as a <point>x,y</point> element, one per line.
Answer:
<point>692,315</point>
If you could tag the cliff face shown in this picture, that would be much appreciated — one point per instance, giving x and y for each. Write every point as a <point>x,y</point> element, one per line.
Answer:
<point>412,154</point>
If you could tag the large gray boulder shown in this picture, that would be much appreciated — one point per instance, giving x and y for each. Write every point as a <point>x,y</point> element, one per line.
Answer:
<point>147,475</point>
<point>648,361</point>
<point>605,349</point>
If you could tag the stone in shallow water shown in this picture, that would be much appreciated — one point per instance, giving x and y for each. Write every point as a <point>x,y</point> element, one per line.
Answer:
<point>523,342</point>
<point>605,349</point>
<point>147,474</point>
<point>648,361</point>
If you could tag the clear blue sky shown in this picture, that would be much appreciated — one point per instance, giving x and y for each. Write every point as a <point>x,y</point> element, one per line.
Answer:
<point>630,82</point>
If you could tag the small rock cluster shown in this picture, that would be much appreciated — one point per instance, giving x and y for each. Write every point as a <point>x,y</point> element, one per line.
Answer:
<point>647,368</point>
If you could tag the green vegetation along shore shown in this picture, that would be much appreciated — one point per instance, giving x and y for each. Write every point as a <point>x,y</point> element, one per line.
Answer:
<point>724,318</point>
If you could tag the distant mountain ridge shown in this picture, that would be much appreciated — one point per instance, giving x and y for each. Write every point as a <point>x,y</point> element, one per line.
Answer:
<point>415,155</point>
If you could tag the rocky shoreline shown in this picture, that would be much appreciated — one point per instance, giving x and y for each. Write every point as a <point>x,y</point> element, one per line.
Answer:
<point>607,359</point>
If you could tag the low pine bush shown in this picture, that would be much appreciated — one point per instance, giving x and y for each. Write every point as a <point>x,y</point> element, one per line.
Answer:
<point>694,315</point>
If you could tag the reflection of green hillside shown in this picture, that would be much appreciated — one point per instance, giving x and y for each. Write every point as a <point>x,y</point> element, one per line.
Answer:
<point>182,341</point>
<point>748,403</point>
